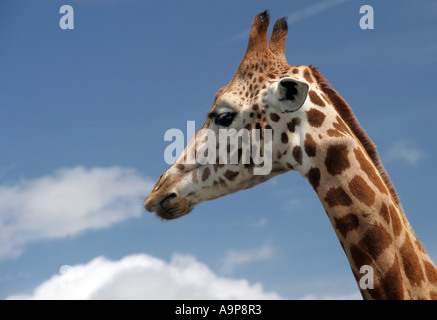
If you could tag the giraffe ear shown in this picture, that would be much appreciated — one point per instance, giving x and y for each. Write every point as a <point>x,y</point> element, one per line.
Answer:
<point>290,94</point>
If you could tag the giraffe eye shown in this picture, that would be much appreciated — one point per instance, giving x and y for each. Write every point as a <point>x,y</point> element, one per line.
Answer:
<point>224,119</point>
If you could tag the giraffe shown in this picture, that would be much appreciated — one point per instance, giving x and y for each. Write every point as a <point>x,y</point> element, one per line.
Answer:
<point>314,132</point>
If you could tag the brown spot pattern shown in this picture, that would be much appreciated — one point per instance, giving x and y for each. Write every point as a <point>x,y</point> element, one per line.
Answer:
<point>230,175</point>
<point>284,137</point>
<point>370,171</point>
<point>334,133</point>
<point>315,117</point>
<point>341,126</point>
<point>392,282</point>
<point>293,123</point>
<point>340,129</point>
<point>274,117</point>
<point>314,97</point>
<point>338,197</point>
<point>361,190</point>
<point>314,177</point>
<point>223,183</point>
<point>374,242</point>
<point>390,287</point>
<point>359,257</point>
<point>206,173</point>
<point>431,272</point>
<point>396,221</point>
<point>413,271</point>
<point>297,154</point>
<point>336,160</point>
<point>384,212</point>
<point>346,223</point>
<point>307,76</point>
<point>310,145</point>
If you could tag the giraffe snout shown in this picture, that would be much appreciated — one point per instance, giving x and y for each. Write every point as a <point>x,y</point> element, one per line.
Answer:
<point>165,201</point>
<point>158,202</point>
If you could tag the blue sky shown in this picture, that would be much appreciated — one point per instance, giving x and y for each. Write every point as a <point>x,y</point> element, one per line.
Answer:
<point>83,118</point>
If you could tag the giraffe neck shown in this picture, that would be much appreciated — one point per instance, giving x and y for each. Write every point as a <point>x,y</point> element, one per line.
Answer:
<point>368,220</point>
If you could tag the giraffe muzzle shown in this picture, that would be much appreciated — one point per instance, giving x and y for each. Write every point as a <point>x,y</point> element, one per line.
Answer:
<point>167,206</point>
<point>166,202</point>
<point>157,201</point>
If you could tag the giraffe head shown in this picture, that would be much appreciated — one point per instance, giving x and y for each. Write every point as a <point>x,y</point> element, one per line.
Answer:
<point>268,102</point>
<point>298,122</point>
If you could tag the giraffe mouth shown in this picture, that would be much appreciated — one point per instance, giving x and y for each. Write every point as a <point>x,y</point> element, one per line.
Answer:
<point>168,207</point>
<point>165,203</point>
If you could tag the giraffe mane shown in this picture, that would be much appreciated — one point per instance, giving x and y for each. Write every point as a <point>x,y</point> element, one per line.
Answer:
<point>352,122</point>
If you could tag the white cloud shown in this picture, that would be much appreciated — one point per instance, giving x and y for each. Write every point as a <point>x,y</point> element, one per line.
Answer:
<point>66,203</point>
<point>234,258</point>
<point>145,277</point>
<point>405,151</point>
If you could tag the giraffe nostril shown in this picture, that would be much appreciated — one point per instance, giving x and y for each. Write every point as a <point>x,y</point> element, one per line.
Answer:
<point>166,201</point>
